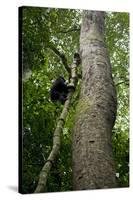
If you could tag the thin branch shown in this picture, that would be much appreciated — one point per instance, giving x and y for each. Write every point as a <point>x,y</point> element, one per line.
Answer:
<point>125,82</point>
<point>62,57</point>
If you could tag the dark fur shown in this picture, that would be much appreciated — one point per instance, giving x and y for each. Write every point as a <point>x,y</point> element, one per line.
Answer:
<point>59,90</point>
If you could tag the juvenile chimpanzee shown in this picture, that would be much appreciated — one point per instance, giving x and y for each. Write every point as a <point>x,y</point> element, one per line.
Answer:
<point>59,90</point>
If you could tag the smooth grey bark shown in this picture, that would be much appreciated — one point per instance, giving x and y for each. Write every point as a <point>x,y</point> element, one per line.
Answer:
<point>93,164</point>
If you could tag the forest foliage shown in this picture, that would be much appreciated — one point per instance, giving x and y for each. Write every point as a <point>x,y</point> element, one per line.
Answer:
<point>43,28</point>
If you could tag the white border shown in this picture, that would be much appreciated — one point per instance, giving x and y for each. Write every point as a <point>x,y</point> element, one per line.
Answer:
<point>9,93</point>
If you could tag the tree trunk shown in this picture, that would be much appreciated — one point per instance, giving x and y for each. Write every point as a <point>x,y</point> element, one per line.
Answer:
<point>93,164</point>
